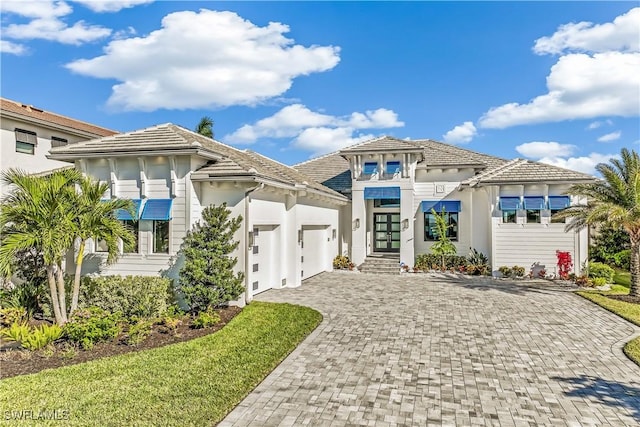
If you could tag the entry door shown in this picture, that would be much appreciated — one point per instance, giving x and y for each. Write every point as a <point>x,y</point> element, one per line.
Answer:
<point>387,232</point>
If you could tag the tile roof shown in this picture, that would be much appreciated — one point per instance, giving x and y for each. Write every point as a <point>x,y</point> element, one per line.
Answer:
<point>331,170</point>
<point>31,112</point>
<point>382,144</point>
<point>525,171</point>
<point>226,160</point>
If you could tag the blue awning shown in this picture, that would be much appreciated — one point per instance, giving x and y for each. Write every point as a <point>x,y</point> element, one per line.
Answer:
<point>123,215</point>
<point>393,167</point>
<point>381,193</point>
<point>559,202</point>
<point>157,209</point>
<point>370,168</point>
<point>509,203</point>
<point>534,203</point>
<point>438,205</point>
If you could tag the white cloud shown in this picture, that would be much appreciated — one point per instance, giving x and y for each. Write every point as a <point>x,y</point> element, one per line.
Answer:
<point>205,59</point>
<point>586,164</point>
<point>111,5</point>
<point>623,34</point>
<point>46,23</point>
<point>538,150</point>
<point>580,86</point>
<point>602,81</point>
<point>315,131</point>
<point>599,123</point>
<point>461,134</point>
<point>610,137</point>
<point>12,48</point>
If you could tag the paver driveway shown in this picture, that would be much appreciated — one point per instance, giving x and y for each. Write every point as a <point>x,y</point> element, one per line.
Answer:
<point>415,351</point>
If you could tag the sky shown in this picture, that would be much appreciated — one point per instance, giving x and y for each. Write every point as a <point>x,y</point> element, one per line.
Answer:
<point>557,82</point>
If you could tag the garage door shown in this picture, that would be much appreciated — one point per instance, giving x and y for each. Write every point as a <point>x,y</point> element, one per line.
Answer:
<point>264,265</point>
<point>314,249</point>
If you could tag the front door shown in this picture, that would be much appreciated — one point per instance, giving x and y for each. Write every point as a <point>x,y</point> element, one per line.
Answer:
<point>387,229</point>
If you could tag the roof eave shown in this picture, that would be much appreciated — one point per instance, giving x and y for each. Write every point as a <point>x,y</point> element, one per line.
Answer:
<point>67,129</point>
<point>72,156</point>
<point>521,182</point>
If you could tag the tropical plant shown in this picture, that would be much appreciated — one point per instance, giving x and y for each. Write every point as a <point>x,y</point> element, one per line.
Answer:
<point>613,200</point>
<point>16,332</point>
<point>206,319</point>
<point>41,336</point>
<point>205,127</point>
<point>443,246</point>
<point>477,262</point>
<point>207,278</point>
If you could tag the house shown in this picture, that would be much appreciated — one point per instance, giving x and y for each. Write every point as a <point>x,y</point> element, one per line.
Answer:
<point>28,133</point>
<point>500,207</point>
<point>290,224</point>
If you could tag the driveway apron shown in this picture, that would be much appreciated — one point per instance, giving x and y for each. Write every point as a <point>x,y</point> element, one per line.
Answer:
<point>416,350</point>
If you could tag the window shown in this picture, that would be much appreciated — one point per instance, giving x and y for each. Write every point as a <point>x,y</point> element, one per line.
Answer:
<point>534,205</point>
<point>101,245</point>
<point>160,237</point>
<point>133,227</point>
<point>430,230</point>
<point>25,141</point>
<point>393,168</point>
<point>370,168</point>
<point>509,207</point>
<point>509,215</point>
<point>557,204</point>
<point>386,203</point>
<point>533,216</point>
<point>58,142</point>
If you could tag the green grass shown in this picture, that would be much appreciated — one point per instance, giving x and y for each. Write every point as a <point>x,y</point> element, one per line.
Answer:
<point>627,310</point>
<point>192,383</point>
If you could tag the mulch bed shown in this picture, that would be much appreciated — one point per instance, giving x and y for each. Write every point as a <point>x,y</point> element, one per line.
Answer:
<point>15,362</point>
<point>625,298</point>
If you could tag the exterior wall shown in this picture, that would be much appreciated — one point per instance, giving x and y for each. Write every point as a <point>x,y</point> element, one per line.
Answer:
<point>32,163</point>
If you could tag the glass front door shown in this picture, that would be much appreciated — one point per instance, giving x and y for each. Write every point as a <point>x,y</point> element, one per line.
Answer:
<point>387,229</point>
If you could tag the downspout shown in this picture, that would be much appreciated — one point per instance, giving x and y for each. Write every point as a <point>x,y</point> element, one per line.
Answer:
<point>247,292</point>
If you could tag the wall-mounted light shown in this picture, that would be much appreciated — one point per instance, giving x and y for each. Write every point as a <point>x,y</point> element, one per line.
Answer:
<point>334,233</point>
<point>300,236</point>
<point>405,224</point>
<point>356,223</point>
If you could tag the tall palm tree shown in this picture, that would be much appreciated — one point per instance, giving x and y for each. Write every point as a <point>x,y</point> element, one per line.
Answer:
<point>205,127</point>
<point>95,219</point>
<point>37,215</point>
<point>614,200</point>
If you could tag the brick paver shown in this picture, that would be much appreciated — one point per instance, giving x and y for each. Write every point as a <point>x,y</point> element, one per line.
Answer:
<point>420,351</point>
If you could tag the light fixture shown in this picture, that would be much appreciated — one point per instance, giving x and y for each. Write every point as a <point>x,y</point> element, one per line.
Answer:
<point>300,235</point>
<point>334,233</point>
<point>405,223</point>
<point>356,223</point>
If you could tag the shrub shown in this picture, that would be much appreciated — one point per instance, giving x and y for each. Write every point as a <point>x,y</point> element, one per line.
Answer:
<point>342,262</point>
<point>517,271</point>
<point>11,315</point>
<point>207,278</point>
<point>599,281</point>
<point>565,264</point>
<point>505,271</point>
<point>598,269</point>
<point>16,332</point>
<point>133,296</point>
<point>477,263</point>
<point>27,296</point>
<point>138,332</point>
<point>583,281</point>
<point>206,319</point>
<point>90,326</point>
<point>622,259</point>
<point>434,262</point>
<point>41,337</point>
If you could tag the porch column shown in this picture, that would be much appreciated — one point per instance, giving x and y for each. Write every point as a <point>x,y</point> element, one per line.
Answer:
<point>358,227</point>
<point>407,224</point>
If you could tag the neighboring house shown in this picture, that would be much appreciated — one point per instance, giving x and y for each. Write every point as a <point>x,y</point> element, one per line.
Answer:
<point>290,224</point>
<point>28,133</point>
<point>502,208</point>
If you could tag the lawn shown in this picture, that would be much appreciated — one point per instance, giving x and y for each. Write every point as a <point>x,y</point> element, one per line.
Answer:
<point>191,383</point>
<point>627,310</point>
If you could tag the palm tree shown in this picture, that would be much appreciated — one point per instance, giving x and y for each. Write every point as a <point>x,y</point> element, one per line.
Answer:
<point>37,215</point>
<point>614,200</point>
<point>205,127</point>
<point>95,219</point>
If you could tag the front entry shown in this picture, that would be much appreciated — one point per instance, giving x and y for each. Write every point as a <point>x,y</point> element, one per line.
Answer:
<point>387,229</point>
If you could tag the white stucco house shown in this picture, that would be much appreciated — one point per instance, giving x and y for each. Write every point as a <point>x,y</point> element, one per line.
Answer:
<point>290,222</point>
<point>373,198</point>
<point>27,133</point>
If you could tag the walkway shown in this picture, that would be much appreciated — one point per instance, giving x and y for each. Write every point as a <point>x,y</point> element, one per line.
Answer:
<point>414,351</point>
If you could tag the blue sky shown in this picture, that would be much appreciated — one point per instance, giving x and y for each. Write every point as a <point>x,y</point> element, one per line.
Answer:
<point>556,82</point>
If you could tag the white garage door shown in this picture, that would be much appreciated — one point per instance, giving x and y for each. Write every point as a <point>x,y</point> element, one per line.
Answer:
<point>264,266</point>
<point>314,249</point>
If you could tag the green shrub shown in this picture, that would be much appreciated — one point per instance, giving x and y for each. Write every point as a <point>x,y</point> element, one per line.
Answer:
<point>28,296</point>
<point>133,296</point>
<point>92,325</point>
<point>11,315</point>
<point>172,318</point>
<point>622,259</point>
<point>599,281</point>
<point>342,262</point>
<point>434,262</point>
<point>16,332</point>
<point>517,271</point>
<point>41,337</point>
<point>505,271</point>
<point>598,269</point>
<point>206,319</point>
<point>139,331</point>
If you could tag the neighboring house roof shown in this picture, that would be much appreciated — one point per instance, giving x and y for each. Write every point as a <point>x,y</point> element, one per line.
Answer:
<point>526,171</point>
<point>225,162</point>
<point>16,109</point>
<point>331,170</point>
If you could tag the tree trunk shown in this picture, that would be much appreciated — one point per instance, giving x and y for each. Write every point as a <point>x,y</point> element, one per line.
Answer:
<point>55,303</point>
<point>635,267</point>
<point>62,294</point>
<point>76,278</point>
